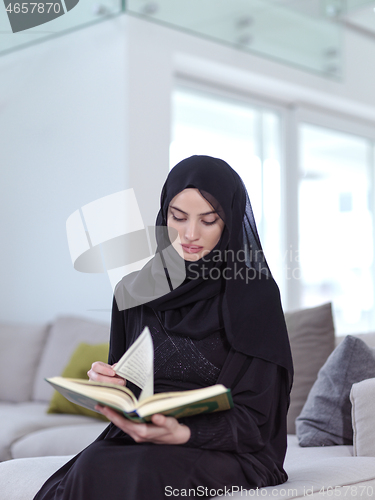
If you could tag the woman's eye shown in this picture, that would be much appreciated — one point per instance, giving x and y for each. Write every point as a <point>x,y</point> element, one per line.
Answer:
<point>176,218</point>
<point>209,223</point>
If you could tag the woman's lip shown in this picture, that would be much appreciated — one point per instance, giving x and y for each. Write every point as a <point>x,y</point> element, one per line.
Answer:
<point>191,248</point>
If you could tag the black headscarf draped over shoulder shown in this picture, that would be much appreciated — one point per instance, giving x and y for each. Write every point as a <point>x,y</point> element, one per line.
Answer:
<point>231,287</point>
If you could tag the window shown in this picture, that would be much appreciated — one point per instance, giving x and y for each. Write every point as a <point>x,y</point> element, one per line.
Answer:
<point>336,225</point>
<point>315,216</point>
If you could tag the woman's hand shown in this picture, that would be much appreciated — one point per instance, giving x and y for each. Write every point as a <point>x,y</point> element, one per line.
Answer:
<point>101,372</point>
<point>163,430</point>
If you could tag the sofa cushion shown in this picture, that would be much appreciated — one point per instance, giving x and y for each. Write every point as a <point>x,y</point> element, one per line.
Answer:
<point>18,420</point>
<point>311,334</point>
<point>78,365</point>
<point>326,417</point>
<point>20,349</point>
<point>62,440</point>
<point>362,397</point>
<point>309,469</point>
<point>22,479</point>
<point>65,335</point>
<point>312,469</point>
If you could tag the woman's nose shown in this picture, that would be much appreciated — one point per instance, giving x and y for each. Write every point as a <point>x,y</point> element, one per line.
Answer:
<point>191,231</point>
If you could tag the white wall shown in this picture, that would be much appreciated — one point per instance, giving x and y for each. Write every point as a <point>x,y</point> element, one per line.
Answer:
<point>62,145</point>
<point>88,114</point>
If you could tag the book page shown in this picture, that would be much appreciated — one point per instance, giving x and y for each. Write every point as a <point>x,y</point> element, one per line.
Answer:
<point>87,395</point>
<point>137,364</point>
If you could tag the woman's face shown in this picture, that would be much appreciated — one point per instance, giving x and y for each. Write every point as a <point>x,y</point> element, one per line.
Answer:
<point>198,225</point>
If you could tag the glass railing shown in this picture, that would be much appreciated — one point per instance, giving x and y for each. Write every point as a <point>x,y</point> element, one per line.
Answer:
<point>330,9</point>
<point>16,19</point>
<point>281,30</point>
<point>360,16</point>
<point>306,34</point>
<point>352,5</point>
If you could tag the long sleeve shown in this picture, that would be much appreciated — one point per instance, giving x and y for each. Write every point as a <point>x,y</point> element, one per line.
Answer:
<point>259,413</point>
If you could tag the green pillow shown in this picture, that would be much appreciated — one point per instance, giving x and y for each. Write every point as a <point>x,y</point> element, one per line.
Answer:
<point>78,366</point>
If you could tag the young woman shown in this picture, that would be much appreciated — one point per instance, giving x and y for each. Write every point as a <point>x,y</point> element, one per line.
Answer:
<point>223,324</point>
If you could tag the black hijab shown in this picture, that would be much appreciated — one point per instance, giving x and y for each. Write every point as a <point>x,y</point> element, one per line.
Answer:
<point>231,288</point>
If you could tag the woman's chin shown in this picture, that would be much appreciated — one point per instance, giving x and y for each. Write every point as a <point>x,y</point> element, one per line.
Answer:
<point>192,257</point>
<point>195,257</point>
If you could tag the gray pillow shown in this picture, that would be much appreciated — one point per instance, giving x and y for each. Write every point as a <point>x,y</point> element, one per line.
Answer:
<point>65,335</point>
<point>326,417</point>
<point>21,347</point>
<point>312,338</point>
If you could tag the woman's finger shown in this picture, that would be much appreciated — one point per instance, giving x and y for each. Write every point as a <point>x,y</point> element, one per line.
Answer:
<point>138,432</point>
<point>104,378</point>
<point>139,429</point>
<point>162,430</point>
<point>161,420</point>
<point>101,372</point>
<point>103,368</point>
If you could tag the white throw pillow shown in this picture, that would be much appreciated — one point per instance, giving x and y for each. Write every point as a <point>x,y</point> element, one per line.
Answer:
<point>362,396</point>
<point>21,347</point>
<point>65,335</point>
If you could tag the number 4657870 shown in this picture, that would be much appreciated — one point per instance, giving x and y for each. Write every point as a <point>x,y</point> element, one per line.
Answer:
<point>40,8</point>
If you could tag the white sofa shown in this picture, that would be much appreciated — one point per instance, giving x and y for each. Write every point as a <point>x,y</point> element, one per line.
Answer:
<point>34,444</point>
<point>28,354</point>
<point>332,468</point>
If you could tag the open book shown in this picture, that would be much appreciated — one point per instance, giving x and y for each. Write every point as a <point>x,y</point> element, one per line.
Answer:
<point>136,365</point>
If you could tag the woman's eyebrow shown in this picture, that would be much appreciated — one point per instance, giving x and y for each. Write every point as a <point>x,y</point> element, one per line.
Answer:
<point>179,209</point>
<point>205,213</point>
<point>208,213</point>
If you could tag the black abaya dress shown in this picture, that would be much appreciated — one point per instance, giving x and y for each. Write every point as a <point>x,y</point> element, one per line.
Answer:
<point>243,447</point>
